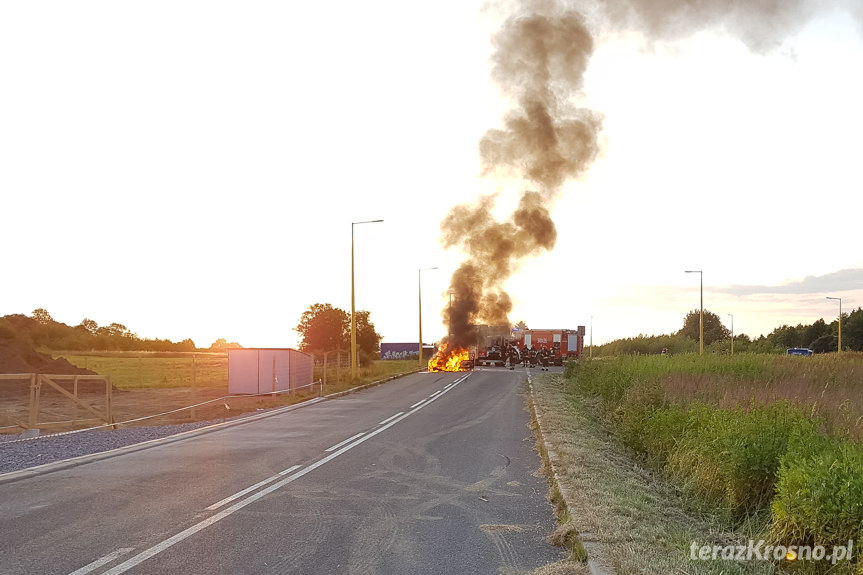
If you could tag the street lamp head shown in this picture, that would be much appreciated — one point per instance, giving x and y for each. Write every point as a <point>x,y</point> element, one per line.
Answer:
<point>692,271</point>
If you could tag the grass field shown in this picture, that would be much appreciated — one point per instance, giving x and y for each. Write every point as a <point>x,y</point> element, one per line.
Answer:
<point>765,443</point>
<point>167,388</point>
<point>134,370</point>
<point>828,386</point>
<point>131,370</point>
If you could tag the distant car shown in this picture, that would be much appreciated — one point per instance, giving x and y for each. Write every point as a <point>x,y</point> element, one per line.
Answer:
<point>799,351</point>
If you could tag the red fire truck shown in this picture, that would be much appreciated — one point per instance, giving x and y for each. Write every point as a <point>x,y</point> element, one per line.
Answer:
<point>563,343</point>
<point>492,340</point>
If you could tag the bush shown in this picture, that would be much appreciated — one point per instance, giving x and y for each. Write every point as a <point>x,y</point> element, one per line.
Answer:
<point>731,456</point>
<point>638,404</point>
<point>819,493</point>
<point>663,430</point>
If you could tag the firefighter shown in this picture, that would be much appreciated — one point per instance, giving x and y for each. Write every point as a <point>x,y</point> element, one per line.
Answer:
<point>533,356</point>
<point>543,358</point>
<point>513,357</point>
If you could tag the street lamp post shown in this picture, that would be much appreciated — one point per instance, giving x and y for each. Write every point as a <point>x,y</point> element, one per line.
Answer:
<point>701,318</point>
<point>591,337</point>
<point>732,333</point>
<point>420,289</point>
<point>839,299</point>
<point>353,304</point>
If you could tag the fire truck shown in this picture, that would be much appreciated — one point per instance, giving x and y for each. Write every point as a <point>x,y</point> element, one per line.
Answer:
<point>563,343</point>
<point>493,340</point>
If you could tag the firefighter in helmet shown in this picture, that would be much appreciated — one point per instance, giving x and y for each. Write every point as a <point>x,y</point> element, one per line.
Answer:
<point>543,358</point>
<point>513,356</point>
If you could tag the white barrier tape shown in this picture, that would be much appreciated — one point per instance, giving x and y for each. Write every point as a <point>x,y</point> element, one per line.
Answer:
<point>146,417</point>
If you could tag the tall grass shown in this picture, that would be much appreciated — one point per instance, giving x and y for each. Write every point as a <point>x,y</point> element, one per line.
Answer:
<point>829,386</point>
<point>746,434</point>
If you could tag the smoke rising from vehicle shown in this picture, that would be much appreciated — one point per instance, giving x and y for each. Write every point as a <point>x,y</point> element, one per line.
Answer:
<point>539,61</point>
<point>541,53</point>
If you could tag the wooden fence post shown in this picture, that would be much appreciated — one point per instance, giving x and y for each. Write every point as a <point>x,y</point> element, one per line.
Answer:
<point>75,394</point>
<point>35,385</point>
<point>109,402</point>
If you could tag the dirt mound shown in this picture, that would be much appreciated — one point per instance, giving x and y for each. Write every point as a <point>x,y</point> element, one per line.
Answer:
<point>19,357</point>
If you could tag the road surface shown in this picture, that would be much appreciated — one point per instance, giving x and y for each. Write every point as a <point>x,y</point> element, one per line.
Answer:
<point>432,473</point>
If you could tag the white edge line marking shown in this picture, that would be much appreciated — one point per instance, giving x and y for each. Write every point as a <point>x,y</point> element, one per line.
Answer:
<point>417,404</point>
<point>348,440</point>
<point>436,393</point>
<point>159,547</point>
<point>102,561</point>
<point>387,420</point>
<point>239,494</point>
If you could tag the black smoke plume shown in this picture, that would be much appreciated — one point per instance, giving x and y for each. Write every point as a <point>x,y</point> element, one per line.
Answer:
<point>540,56</point>
<point>539,61</point>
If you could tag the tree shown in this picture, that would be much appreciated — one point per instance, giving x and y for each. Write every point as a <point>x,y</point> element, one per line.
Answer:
<point>521,325</point>
<point>713,328</point>
<point>187,344</point>
<point>852,330</point>
<point>42,316</point>
<point>222,344</point>
<point>368,341</point>
<point>115,330</point>
<point>824,344</point>
<point>814,332</point>
<point>89,325</point>
<point>787,336</point>
<point>322,328</point>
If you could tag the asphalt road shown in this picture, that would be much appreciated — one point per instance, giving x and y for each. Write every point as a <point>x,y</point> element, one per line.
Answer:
<point>431,473</point>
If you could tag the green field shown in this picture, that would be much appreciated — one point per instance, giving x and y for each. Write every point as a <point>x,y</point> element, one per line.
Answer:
<point>130,370</point>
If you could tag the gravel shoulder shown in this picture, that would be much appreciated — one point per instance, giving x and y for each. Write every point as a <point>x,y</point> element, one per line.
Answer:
<point>17,454</point>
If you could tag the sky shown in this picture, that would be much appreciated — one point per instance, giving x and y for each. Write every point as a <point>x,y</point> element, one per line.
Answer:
<point>192,169</point>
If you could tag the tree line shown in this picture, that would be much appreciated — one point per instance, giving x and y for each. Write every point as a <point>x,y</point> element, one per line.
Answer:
<point>40,330</point>
<point>820,337</point>
<point>322,328</point>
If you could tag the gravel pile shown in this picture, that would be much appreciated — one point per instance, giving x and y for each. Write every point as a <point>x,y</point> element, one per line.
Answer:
<point>17,453</point>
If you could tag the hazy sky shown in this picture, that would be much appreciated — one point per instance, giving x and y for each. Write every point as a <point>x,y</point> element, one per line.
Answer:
<point>192,169</point>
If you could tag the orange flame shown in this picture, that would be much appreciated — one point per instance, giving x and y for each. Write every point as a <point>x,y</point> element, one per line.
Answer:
<point>448,360</point>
